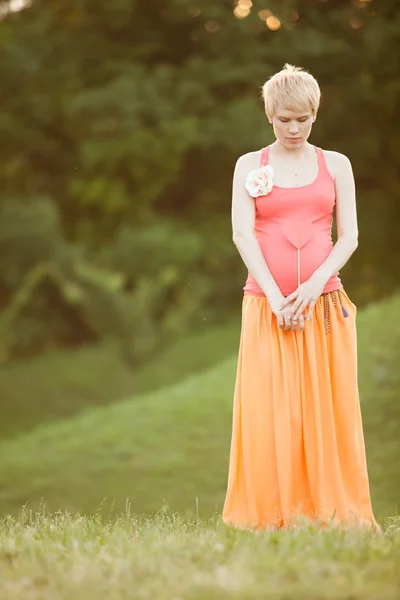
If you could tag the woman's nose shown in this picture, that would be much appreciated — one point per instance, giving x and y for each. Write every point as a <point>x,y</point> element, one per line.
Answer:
<point>293,128</point>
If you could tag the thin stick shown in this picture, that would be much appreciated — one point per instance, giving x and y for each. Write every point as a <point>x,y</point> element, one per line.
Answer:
<point>298,266</point>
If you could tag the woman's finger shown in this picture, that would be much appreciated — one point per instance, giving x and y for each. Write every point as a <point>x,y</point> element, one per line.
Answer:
<point>296,304</point>
<point>300,309</point>
<point>288,322</point>
<point>297,323</point>
<point>310,310</point>
<point>287,300</point>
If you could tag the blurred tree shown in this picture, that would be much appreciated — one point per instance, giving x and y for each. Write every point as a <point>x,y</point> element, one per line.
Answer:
<point>128,118</point>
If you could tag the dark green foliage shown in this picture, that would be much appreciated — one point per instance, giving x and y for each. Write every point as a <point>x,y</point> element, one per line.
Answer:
<point>121,123</point>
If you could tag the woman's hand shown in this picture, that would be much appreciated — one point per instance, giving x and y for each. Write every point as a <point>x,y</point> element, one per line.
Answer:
<point>285,321</point>
<point>306,294</point>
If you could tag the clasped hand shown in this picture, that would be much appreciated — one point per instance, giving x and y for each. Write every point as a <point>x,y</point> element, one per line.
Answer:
<point>290,310</point>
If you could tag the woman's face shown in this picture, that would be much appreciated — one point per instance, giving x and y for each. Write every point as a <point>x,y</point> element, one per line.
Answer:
<point>292,128</point>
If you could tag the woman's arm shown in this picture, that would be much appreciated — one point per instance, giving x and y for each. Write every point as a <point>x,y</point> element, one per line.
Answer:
<point>243,220</point>
<point>346,216</point>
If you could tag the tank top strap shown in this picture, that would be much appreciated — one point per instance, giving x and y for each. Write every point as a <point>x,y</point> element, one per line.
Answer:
<point>264,157</point>
<point>323,170</point>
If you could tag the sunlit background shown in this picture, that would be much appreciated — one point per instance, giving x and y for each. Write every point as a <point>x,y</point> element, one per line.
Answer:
<point>121,122</point>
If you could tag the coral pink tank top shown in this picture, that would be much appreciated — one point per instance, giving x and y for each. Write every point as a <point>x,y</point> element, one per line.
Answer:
<point>293,227</point>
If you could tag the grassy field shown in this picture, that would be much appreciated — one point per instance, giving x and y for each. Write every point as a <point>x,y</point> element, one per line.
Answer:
<point>62,383</point>
<point>124,500</point>
<point>166,557</point>
<point>170,446</point>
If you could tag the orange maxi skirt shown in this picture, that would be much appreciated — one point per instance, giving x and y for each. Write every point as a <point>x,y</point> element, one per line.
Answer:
<point>297,445</point>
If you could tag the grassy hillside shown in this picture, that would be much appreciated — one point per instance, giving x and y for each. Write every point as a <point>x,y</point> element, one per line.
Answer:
<point>167,557</point>
<point>171,446</point>
<point>63,383</point>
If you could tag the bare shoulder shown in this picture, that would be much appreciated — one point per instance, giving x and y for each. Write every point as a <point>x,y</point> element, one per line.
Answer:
<point>337,163</point>
<point>250,160</point>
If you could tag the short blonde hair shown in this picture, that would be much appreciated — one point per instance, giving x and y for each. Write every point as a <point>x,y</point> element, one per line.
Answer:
<point>293,88</point>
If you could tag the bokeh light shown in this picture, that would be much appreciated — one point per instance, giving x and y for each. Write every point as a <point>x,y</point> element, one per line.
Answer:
<point>356,22</point>
<point>194,11</point>
<point>264,14</point>
<point>241,12</point>
<point>245,3</point>
<point>211,26</point>
<point>273,23</point>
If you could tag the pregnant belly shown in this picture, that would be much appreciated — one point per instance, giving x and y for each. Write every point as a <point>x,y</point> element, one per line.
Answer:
<point>290,265</point>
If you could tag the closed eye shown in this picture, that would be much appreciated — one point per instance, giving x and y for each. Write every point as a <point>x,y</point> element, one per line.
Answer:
<point>301,119</point>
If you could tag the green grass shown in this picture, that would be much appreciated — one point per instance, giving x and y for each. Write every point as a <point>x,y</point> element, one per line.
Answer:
<point>167,557</point>
<point>62,383</point>
<point>170,447</point>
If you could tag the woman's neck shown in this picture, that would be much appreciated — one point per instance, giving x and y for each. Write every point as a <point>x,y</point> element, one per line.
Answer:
<point>299,153</point>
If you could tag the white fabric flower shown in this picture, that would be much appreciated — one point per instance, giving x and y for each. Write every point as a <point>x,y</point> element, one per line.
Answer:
<point>259,182</point>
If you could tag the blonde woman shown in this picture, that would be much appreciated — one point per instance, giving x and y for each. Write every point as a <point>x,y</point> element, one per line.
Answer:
<point>297,445</point>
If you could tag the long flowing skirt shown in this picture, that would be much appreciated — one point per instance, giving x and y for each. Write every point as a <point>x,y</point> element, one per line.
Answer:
<point>297,445</point>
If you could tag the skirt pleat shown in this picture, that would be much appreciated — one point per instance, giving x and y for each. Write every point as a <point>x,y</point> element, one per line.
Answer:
<point>297,445</point>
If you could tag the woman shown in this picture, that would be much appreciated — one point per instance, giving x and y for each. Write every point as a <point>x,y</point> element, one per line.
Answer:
<point>297,444</point>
